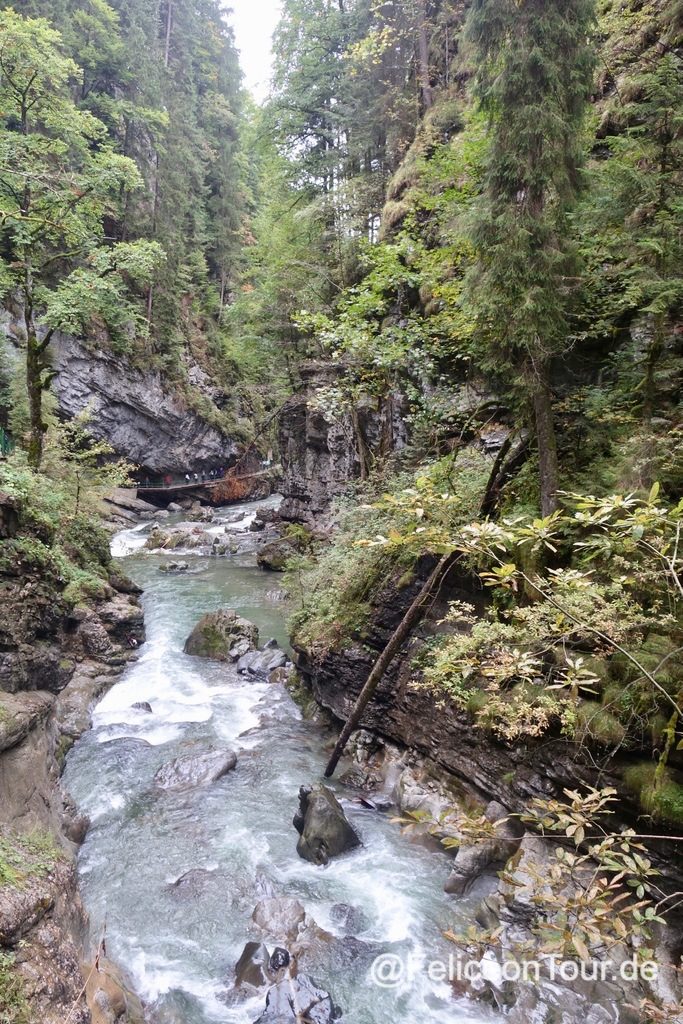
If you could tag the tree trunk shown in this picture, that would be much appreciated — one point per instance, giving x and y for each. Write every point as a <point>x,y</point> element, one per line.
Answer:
<point>169,25</point>
<point>34,386</point>
<point>549,476</point>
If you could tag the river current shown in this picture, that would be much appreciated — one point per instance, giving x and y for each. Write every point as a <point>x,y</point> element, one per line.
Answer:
<point>179,944</point>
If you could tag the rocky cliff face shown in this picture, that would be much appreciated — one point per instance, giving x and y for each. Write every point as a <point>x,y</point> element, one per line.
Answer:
<point>324,448</point>
<point>445,736</point>
<point>133,409</point>
<point>55,660</point>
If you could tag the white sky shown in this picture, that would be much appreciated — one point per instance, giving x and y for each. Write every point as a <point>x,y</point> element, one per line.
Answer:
<point>254,22</point>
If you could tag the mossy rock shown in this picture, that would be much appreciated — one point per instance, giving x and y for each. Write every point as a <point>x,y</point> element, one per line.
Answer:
<point>85,543</point>
<point>217,633</point>
<point>599,725</point>
<point>659,793</point>
<point>275,555</point>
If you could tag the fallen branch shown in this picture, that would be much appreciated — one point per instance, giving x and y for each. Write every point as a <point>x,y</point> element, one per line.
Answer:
<point>409,620</point>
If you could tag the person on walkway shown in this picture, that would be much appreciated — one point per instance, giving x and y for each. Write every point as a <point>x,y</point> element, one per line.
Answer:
<point>187,477</point>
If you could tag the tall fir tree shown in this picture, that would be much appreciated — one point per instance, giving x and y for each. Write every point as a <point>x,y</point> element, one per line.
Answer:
<point>533,80</point>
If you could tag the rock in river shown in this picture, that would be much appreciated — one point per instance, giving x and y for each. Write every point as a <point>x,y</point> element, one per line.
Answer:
<point>217,633</point>
<point>299,1001</point>
<point>253,970</point>
<point>324,829</point>
<point>261,663</point>
<point>195,770</point>
<point>275,555</point>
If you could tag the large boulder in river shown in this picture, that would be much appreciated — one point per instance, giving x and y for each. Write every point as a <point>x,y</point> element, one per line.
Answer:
<point>217,633</point>
<point>324,829</point>
<point>195,769</point>
<point>298,1001</point>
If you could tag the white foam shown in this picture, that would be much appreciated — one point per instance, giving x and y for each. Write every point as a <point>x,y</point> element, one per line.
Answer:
<point>127,542</point>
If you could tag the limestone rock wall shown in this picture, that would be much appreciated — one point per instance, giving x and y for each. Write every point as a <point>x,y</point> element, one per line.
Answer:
<point>325,447</point>
<point>133,409</point>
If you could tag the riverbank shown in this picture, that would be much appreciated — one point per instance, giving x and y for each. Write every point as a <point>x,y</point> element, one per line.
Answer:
<point>56,659</point>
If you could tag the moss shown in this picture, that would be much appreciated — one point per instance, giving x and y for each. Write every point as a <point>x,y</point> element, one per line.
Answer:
<point>659,794</point>
<point>657,654</point>
<point>25,856</point>
<point>84,588</point>
<point>446,118</point>
<point>599,725</point>
<point>406,580</point>
<point>477,701</point>
<point>302,696</point>
<point>85,543</point>
<point>393,213</point>
<point>14,1008</point>
<point>212,641</point>
<point>63,747</point>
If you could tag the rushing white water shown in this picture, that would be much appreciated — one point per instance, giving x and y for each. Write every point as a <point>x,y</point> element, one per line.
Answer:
<point>180,947</point>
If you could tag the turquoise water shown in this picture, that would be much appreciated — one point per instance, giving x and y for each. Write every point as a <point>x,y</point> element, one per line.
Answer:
<point>179,947</point>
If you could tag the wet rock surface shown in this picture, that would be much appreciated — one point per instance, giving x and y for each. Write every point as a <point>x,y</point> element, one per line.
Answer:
<point>253,971</point>
<point>473,860</point>
<point>262,664</point>
<point>298,1001</point>
<point>324,830</point>
<point>195,769</point>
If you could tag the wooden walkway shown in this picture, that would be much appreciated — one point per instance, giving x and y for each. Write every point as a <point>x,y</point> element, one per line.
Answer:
<point>200,487</point>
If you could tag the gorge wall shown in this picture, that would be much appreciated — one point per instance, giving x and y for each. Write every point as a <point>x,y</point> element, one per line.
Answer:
<point>132,408</point>
<point>324,445</point>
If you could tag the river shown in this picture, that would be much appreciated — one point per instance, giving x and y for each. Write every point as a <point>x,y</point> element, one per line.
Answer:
<point>179,944</point>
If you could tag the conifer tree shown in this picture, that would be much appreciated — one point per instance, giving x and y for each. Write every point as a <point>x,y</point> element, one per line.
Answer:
<point>534,73</point>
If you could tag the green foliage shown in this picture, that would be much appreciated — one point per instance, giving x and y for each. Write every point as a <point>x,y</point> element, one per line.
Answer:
<point>14,1007</point>
<point>60,544</point>
<point>26,856</point>
<point>659,794</point>
<point>589,647</point>
<point>336,591</point>
<point>596,891</point>
<point>534,75</point>
<point>99,293</point>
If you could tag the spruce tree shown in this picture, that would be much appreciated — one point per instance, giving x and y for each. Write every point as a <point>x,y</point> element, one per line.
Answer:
<point>534,72</point>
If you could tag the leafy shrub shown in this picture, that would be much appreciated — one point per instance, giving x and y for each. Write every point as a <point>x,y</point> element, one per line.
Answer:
<point>337,591</point>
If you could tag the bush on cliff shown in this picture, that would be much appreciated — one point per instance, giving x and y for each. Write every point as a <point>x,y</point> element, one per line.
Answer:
<point>336,591</point>
<point>67,549</point>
